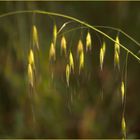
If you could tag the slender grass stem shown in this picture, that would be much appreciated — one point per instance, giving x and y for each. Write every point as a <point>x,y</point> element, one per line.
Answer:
<point>117,29</point>
<point>73,29</point>
<point>77,20</point>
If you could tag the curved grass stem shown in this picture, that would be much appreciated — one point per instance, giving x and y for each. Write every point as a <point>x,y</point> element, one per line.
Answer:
<point>121,31</point>
<point>78,21</point>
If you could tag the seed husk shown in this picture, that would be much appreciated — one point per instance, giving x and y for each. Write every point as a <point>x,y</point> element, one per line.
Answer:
<point>81,61</point>
<point>35,37</point>
<point>63,45</point>
<point>68,71</point>
<point>88,42</point>
<point>52,53</point>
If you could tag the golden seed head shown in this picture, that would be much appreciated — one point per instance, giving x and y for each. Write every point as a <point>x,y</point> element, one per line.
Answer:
<point>31,57</point>
<point>71,62</point>
<point>35,37</point>
<point>81,62</point>
<point>68,71</point>
<point>63,45</point>
<point>30,74</point>
<point>101,58</point>
<point>123,125</point>
<point>54,34</point>
<point>122,90</point>
<point>102,54</point>
<point>88,42</point>
<point>104,47</point>
<point>116,59</point>
<point>117,53</point>
<point>52,55</point>
<point>79,47</point>
<point>117,46</point>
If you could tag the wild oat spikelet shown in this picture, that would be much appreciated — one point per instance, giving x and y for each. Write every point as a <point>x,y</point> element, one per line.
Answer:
<point>71,62</point>
<point>101,58</point>
<point>117,46</point>
<point>116,59</point>
<point>79,47</point>
<point>68,71</point>
<point>30,74</point>
<point>54,34</point>
<point>117,53</point>
<point>102,54</point>
<point>63,45</point>
<point>31,57</point>
<point>104,47</point>
<point>52,54</point>
<point>35,37</point>
<point>122,90</point>
<point>88,42</point>
<point>123,127</point>
<point>81,61</point>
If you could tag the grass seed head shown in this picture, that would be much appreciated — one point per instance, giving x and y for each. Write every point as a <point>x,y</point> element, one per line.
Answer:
<point>117,53</point>
<point>54,34</point>
<point>101,58</point>
<point>68,71</point>
<point>30,74</point>
<point>88,42</point>
<point>63,45</point>
<point>52,54</point>
<point>71,61</point>
<point>104,47</point>
<point>122,90</point>
<point>116,59</point>
<point>81,61</point>
<point>35,37</point>
<point>102,54</point>
<point>79,47</point>
<point>123,127</point>
<point>117,46</point>
<point>31,57</point>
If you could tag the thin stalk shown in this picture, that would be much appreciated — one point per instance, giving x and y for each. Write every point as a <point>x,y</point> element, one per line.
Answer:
<point>121,31</point>
<point>74,19</point>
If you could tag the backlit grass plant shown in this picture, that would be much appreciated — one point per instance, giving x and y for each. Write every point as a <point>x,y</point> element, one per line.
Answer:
<point>84,46</point>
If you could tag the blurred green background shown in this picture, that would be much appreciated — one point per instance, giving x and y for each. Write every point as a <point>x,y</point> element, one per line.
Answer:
<point>91,106</point>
